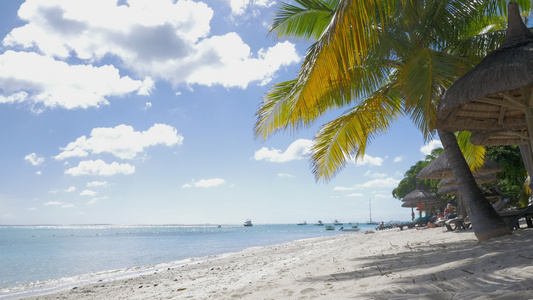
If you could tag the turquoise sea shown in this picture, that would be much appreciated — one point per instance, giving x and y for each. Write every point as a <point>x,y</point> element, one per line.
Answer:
<point>37,259</point>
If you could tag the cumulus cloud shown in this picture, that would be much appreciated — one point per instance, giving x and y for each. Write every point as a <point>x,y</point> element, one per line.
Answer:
<point>96,184</point>
<point>398,159</point>
<point>157,39</point>
<point>205,183</point>
<point>101,168</point>
<point>26,78</point>
<point>299,149</point>
<point>122,141</point>
<point>427,148</point>
<point>88,193</point>
<point>238,7</point>
<point>375,183</point>
<point>55,203</point>
<point>34,159</point>
<point>368,160</point>
<point>284,175</point>
<point>70,189</point>
<point>97,199</point>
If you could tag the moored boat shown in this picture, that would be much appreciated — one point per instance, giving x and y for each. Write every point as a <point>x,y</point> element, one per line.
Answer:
<point>329,227</point>
<point>302,223</point>
<point>336,222</point>
<point>248,223</point>
<point>319,223</point>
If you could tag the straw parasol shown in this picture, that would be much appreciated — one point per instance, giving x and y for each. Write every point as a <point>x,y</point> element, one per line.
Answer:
<point>440,169</point>
<point>480,179</point>
<point>495,99</point>
<point>495,94</point>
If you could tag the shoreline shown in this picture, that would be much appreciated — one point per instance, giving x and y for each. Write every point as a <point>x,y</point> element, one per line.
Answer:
<point>387,264</point>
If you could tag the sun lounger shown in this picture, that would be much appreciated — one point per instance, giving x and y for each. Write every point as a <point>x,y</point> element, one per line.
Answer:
<point>513,217</point>
<point>422,221</point>
<point>464,223</point>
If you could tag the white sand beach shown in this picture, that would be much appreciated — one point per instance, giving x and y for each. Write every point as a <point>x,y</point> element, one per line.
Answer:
<point>388,264</point>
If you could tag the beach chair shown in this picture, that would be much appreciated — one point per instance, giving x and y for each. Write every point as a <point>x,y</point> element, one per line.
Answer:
<point>462,223</point>
<point>512,217</point>
<point>421,221</point>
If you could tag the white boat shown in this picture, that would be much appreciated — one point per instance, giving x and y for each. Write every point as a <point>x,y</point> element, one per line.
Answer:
<point>353,228</point>
<point>302,223</point>
<point>248,223</point>
<point>336,222</point>
<point>329,227</point>
<point>319,223</point>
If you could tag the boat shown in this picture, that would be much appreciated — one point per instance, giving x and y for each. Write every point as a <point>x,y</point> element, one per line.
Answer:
<point>370,210</point>
<point>302,223</point>
<point>336,222</point>
<point>329,227</point>
<point>319,223</point>
<point>353,228</point>
<point>248,223</point>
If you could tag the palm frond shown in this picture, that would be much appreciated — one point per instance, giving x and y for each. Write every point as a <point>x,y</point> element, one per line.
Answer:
<point>347,136</point>
<point>473,154</point>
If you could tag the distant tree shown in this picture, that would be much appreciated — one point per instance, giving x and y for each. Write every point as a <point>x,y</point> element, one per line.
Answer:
<point>409,182</point>
<point>514,174</point>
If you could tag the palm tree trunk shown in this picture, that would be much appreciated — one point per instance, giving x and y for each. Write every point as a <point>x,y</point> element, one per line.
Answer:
<point>485,220</point>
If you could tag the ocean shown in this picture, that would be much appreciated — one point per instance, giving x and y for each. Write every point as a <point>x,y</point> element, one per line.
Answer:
<point>46,258</point>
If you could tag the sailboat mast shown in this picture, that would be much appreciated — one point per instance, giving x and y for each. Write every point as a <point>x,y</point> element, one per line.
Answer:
<point>370,208</point>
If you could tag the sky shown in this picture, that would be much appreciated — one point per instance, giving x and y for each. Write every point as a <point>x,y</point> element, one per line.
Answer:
<point>142,112</point>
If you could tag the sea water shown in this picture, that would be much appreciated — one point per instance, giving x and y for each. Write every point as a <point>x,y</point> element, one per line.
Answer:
<point>38,259</point>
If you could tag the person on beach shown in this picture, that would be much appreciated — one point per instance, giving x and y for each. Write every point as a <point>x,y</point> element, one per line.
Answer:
<point>449,212</point>
<point>430,225</point>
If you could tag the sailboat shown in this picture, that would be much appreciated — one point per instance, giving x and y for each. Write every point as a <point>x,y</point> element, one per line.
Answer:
<point>370,209</point>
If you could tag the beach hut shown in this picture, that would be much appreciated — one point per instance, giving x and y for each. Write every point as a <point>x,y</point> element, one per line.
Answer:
<point>423,198</point>
<point>480,179</point>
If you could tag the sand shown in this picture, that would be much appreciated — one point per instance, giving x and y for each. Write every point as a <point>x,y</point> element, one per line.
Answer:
<point>388,264</point>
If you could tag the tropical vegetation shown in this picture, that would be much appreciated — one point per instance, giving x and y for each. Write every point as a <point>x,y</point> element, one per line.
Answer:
<point>379,60</point>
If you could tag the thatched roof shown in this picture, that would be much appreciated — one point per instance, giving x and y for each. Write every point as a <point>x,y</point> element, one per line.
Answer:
<point>497,138</point>
<point>448,190</point>
<point>424,205</point>
<point>439,169</point>
<point>494,94</point>
<point>420,196</point>
<point>480,179</point>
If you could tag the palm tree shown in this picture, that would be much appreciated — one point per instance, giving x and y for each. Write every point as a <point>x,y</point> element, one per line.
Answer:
<point>381,59</point>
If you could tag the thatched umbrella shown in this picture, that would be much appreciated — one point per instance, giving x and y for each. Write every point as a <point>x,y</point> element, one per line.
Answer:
<point>495,99</point>
<point>440,169</point>
<point>416,197</point>
<point>480,179</point>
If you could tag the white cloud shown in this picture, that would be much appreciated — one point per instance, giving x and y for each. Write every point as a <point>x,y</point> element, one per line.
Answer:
<point>238,7</point>
<point>55,203</point>
<point>375,183</point>
<point>375,174</point>
<point>299,149</point>
<point>284,175</point>
<point>398,159</point>
<point>368,160</point>
<point>355,195</point>
<point>39,173</point>
<point>97,199</point>
<point>88,193</point>
<point>121,141</point>
<point>33,159</point>
<point>26,78</point>
<point>99,167</point>
<point>68,205</point>
<point>157,39</point>
<point>427,148</point>
<point>71,189</point>
<point>206,183</point>
<point>96,184</point>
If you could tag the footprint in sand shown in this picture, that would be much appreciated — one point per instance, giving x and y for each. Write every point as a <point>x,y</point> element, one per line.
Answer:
<point>307,290</point>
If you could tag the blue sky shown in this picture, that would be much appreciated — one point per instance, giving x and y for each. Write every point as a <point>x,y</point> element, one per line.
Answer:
<point>136,112</point>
